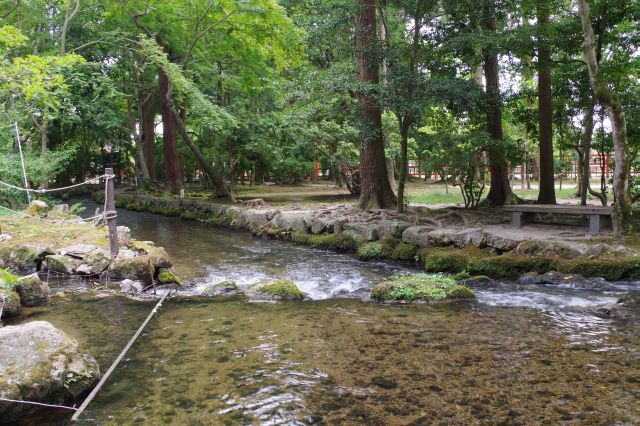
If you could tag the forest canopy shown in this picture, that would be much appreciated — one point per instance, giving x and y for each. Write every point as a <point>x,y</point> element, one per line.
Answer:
<point>218,92</point>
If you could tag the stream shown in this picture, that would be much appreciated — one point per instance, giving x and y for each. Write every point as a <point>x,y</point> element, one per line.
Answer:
<point>519,355</point>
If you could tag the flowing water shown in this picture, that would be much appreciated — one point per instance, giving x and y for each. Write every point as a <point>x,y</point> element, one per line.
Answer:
<point>519,355</point>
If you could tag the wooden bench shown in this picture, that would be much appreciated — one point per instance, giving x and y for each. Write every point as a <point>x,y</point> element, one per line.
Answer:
<point>523,213</point>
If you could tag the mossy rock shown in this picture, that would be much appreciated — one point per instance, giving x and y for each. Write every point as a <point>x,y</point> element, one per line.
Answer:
<point>137,268</point>
<point>274,289</point>
<point>167,276</point>
<point>451,259</point>
<point>300,237</point>
<point>335,242</point>
<point>382,249</point>
<point>421,287</point>
<point>37,208</point>
<point>512,265</point>
<point>608,268</point>
<point>11,301</point>
<point>59,263</point>
<point>32,291</point>
<point>22,258</point>
<point>405,252</point>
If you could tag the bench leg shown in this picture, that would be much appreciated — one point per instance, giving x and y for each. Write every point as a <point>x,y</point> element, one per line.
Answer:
<point>594,224</point>
<point>518,220</point>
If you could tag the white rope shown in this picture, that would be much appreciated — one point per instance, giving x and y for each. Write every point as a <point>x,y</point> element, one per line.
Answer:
<point>93,181</point>
<point>19,401</point>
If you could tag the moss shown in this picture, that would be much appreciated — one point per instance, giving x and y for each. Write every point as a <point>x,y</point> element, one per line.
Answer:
<point>220,220</point>
<point>284,289</point>
<point>188,215</point>
<point>168,277</point>
<point>513,265</point>
<point>382,249</point>
<point>452,260</point>
<point>165,211</point>
<point>11,299</point>
<point>405,252</point>
<point>421,287</point>
<point>300,237</point>
<point>609,268</point>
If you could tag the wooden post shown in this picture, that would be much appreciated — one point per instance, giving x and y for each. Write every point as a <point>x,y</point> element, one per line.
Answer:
<point>110,212</point>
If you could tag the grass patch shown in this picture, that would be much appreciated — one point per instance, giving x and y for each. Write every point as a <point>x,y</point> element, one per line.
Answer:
<point>421,287</point>
<point>7,279</point>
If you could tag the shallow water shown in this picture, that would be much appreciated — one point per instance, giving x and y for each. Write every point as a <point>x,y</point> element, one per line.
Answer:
<point>517,356</point>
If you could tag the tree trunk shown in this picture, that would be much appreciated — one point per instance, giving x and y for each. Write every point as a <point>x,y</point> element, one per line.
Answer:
<point>376,191</point>
<point>547,191</point>
<point>169,136</point>
<point>585,153</point>
<point>500,191</point>
<point>44,135</point>
<point>148,133</point>
<point>404,166</point>
<point>622,213</point>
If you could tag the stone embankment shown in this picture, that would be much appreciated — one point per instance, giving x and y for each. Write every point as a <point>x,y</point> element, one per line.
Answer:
<point>443,241</point>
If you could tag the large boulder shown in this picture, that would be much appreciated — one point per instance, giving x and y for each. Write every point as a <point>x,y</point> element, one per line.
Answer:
<point>158,255</point>
<point>40,363</point>
<point>33,291</point>
<point>59,263</point>
<point>137,268</point>
<point>418,235</point>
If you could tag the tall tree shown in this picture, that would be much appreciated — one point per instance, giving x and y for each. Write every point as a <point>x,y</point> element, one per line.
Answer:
<point>376,191</point>
<point>169,135</point>
<point>546,193</point>
<point>500,190</point>
<point>622,212</point>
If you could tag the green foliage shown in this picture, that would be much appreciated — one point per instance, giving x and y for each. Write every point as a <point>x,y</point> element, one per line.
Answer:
<point>7,279</point>
<point>77,208</point>
<point>422,287</point>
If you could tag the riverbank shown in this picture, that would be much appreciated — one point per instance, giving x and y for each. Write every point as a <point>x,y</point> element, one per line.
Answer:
<point>478,242</point>
<point>61,247</point>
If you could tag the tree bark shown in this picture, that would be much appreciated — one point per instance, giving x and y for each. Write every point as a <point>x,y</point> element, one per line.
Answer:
<point>148,132</point>
<point>376,191</point>
<point>622,217</point>
<point>547,191</point>
<point>500,191</point>
<point>169,136</point>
